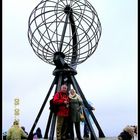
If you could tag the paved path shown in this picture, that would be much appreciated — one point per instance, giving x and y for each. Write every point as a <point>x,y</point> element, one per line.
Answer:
<point>106,138</point>
<point>111,138</point>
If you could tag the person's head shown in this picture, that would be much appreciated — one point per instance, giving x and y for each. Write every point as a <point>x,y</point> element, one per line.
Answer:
<point>38,132</point>
<point>72,92</point>
<point>15,122</point>
<point>135,128</point>
<point>38,129</point>
<point>64,88</point>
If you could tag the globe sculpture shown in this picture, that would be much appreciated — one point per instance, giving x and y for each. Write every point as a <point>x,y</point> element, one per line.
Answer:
<point>68,26</point>
<point>64,33</point>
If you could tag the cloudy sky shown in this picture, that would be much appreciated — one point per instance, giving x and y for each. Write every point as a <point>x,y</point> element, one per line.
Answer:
<point>108,78</point>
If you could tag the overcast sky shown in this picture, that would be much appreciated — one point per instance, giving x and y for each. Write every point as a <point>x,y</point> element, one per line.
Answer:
<point>108,78</point>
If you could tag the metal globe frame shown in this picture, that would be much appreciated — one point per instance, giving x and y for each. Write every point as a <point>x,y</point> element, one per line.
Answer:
<point>68,26</point>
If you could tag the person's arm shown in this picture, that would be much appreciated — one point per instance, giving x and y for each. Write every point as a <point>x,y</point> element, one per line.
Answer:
<point>90,107</point>
<point>80,102</point>
<point>23,134</point>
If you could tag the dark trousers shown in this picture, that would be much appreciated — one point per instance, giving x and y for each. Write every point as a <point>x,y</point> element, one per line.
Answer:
<point>77,128</point>
<point>86,129</point>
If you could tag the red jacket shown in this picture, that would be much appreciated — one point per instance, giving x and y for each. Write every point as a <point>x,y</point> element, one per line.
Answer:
<point>59,98</point>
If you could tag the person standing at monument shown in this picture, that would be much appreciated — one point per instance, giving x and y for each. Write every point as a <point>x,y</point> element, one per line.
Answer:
<point>75,110</point>
<point>61,98</point>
